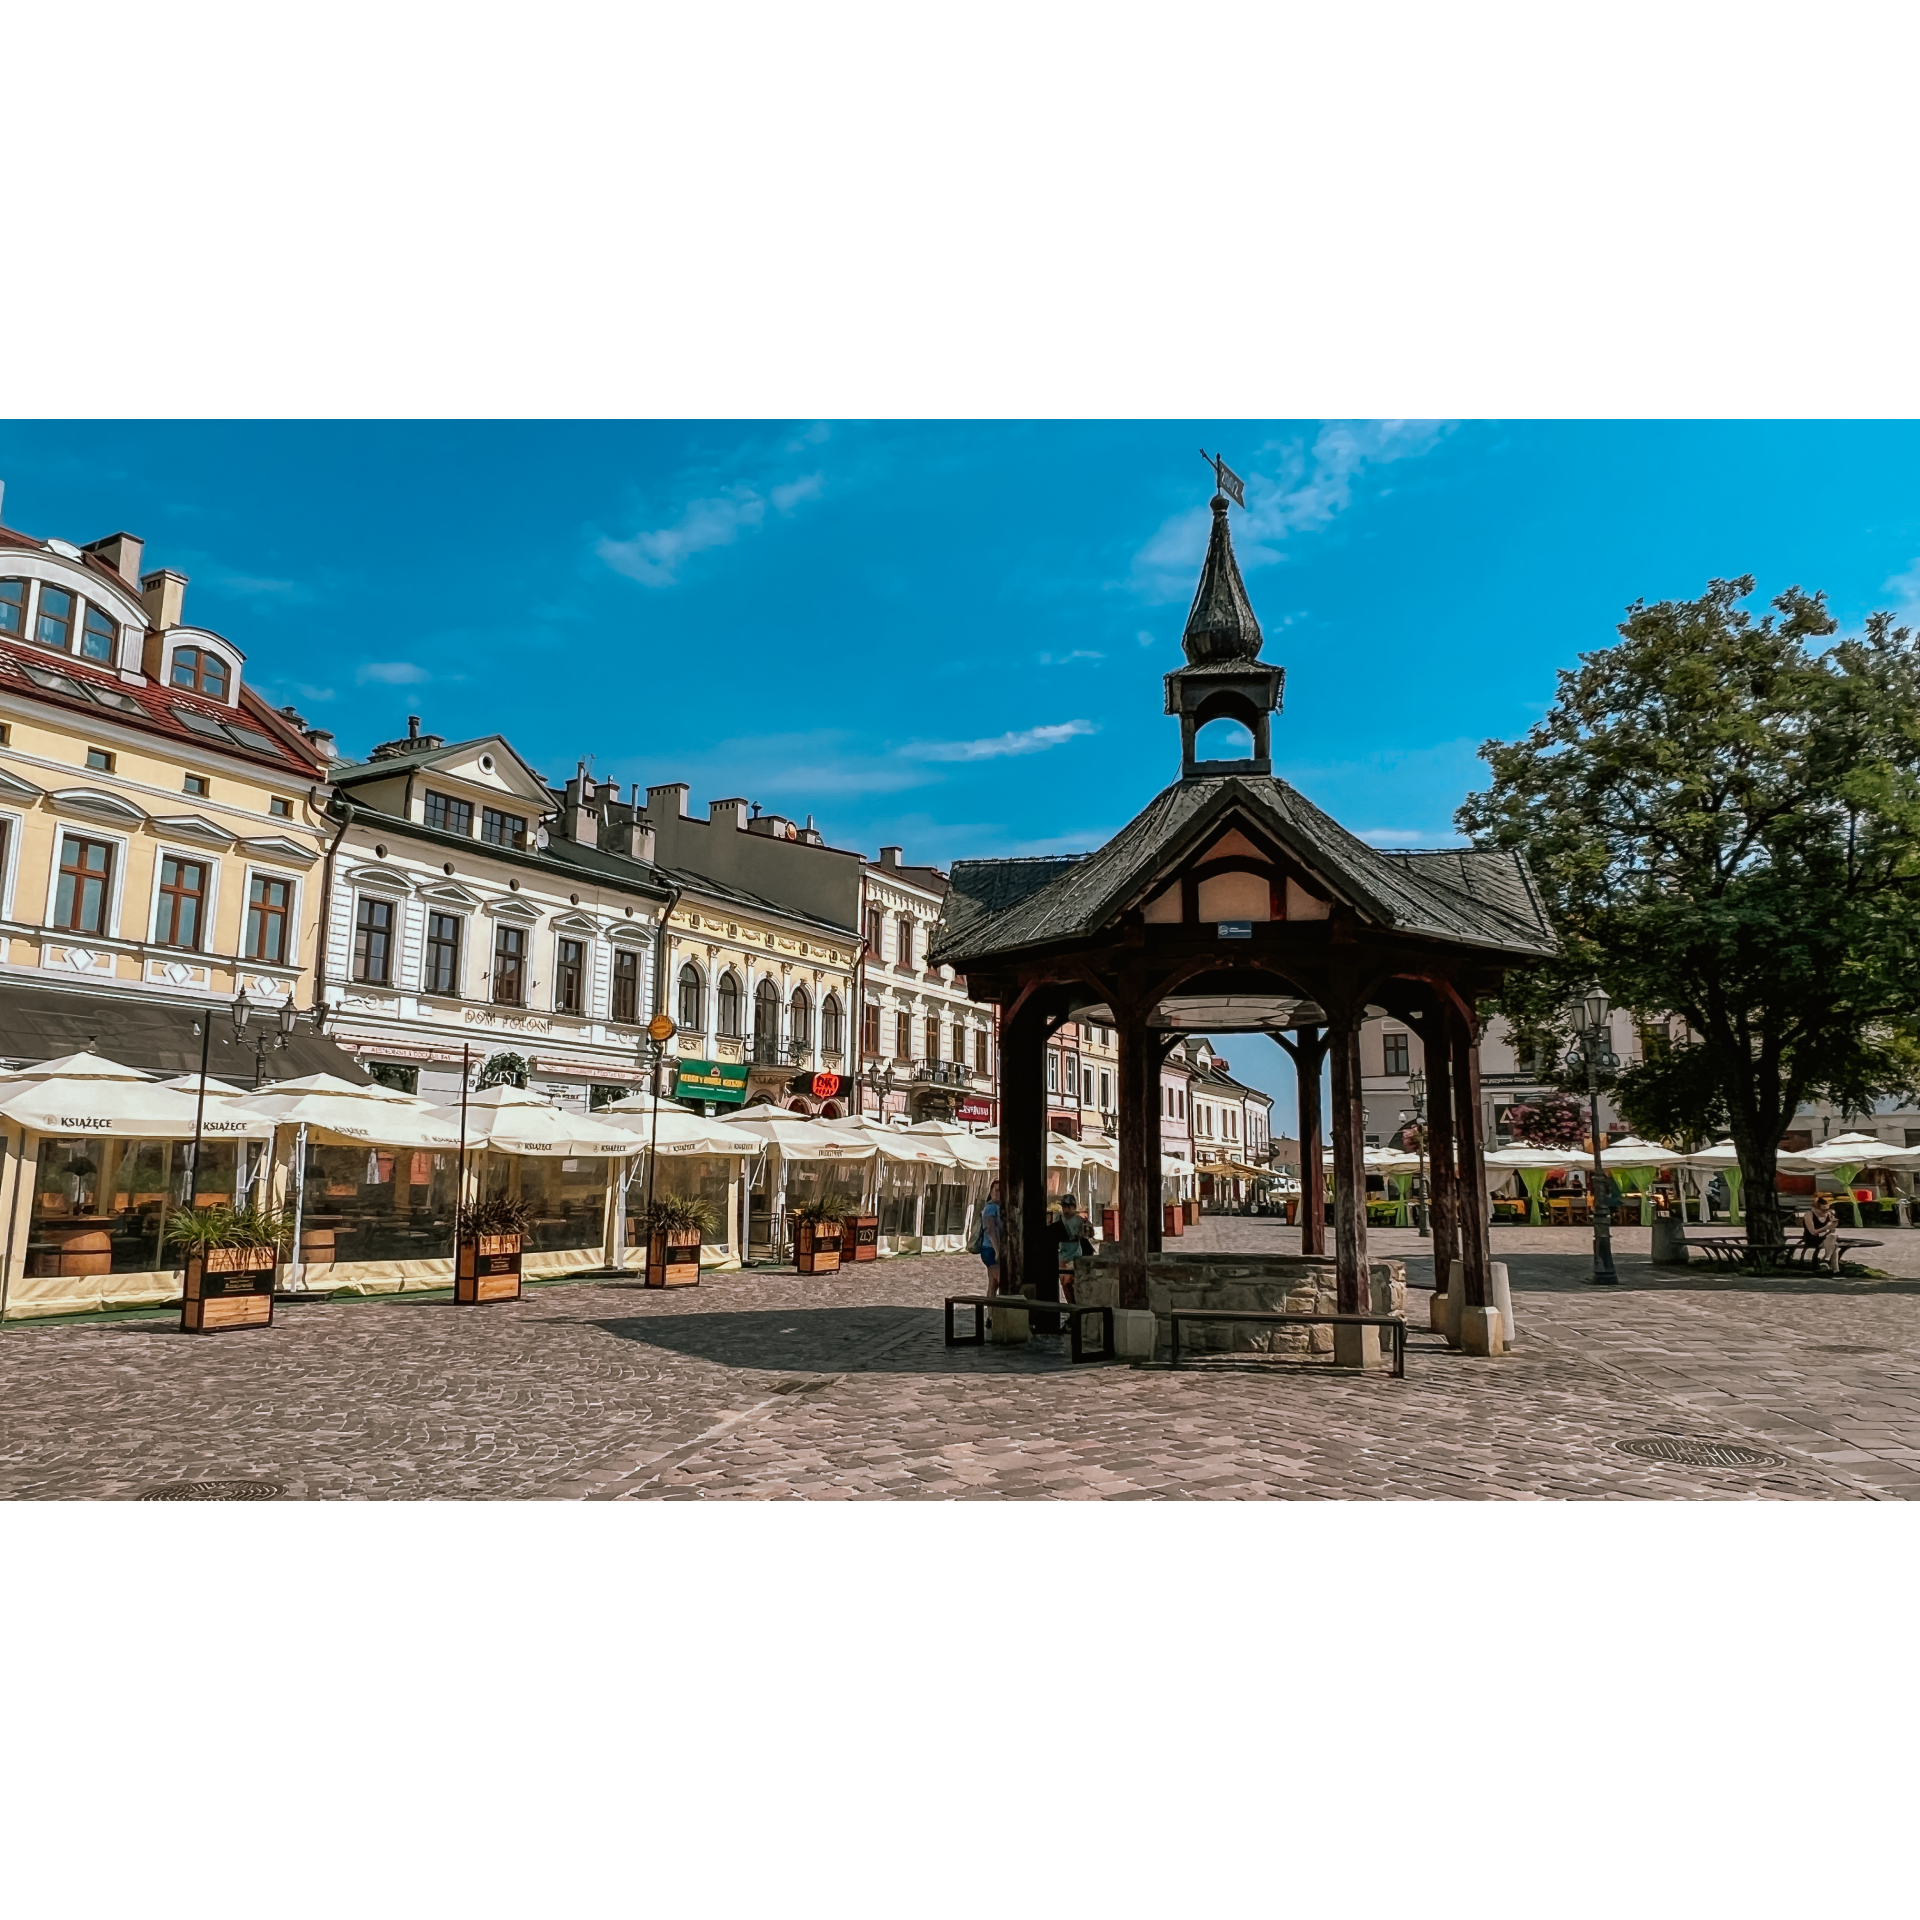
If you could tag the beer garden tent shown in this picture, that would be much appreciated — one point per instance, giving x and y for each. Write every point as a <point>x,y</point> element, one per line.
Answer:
<point>1724,1159</point>
<point>85,1093</point>
<point>342,1114</point>
<point>915,1185</point>
<point>1532,1164</point>
<point>513,1120</point>
<point>798,1163</point>
<point>1847,1155</point>
<point>1397,1168</point>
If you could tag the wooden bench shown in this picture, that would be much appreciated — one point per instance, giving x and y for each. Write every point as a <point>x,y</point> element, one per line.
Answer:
<point>1018,1302</point>
<point>1271,1319</point>
<point>1729,1253</point>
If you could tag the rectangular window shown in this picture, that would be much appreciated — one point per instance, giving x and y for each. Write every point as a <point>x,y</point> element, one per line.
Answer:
<point>502,829</point>
<point>873,931</point>
<point>1053,1071</point>
<point>980,1056</point>
<point>443,953</point>
<point>904,948</point>
<point>626,985</point>
<point>54,625</point>
<point>570,981</point>
<point>1086,1086</point>
<point>903,1036</point>
<point>1396,1051</point>
<point>99,760</point>
<point>373,942</point>
<point>13,605</point>
<point>280,807</point>
<point>448,814</point>
<point>509,966</point>
<point>933,1037</point>
<point>268,903</point>
<point>1106,1091</point>
<point>198,784</point>
<point>870,1027</point>
<point>86,882</point>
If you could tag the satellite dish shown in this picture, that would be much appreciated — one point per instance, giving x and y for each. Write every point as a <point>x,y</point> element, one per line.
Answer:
<point>540,838</point>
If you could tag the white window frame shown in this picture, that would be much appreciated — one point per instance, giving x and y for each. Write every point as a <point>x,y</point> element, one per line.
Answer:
<point>16,827</point>
<point>116,894</point>
<point>461,960</point>
<point>394,982</point>
<point>163,851</point>
<point>297,902</point>
<point>589,977</point>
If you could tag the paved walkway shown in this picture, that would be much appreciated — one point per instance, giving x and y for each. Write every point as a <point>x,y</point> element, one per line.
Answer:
<point>766,1385</point>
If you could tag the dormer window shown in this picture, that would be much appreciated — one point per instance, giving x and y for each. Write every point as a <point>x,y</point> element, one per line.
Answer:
<point>97,636</point>
<point>13,606</point>
<point>450,815</point>
<point>54,626</point>
<point>502,829</point>
<point>195,670</point>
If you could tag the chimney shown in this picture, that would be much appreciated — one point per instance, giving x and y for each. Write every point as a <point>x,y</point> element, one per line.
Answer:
<point>413,726</point>
<point>640,842</point>
<point>121,551</point>
<point>163,594</point>
<point>671,800</point>
<point>890,856</point>
<point>726,813</point>
<point>582,823</point>
<point>321,741</point>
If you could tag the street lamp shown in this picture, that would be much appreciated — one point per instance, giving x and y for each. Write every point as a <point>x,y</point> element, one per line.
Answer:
<point>267,1042</point>
<point>1593,1050</point>
<point>880,1079</point>
<point>1417,1092</point>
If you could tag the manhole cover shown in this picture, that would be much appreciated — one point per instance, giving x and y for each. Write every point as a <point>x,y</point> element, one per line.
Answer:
<point>216,1490</point>
<point>1698,1453</point>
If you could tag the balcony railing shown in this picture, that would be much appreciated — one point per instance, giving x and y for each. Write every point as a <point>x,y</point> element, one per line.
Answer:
<point>772,1053</point>
<point>943,1073</point>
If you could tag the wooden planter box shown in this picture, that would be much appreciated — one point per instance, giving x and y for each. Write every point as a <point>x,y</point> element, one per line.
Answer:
<point>488,1268</point>
<point>673,1258</point>
<point>816,1249</point>
<point>1109,1223</point>
<point>229,1287</point>
<point>1193,1213</point>
<point>863,1236</point>
<point>1175,1221</point>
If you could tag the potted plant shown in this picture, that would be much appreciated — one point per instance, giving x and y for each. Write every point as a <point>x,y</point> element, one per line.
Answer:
<point>487,1265</point>
<point>817,1234</point>
<point>232,1256</point>
<point>673,1227</point>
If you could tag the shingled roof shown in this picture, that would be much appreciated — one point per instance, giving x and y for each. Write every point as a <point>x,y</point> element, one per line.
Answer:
<point>1474,898</point>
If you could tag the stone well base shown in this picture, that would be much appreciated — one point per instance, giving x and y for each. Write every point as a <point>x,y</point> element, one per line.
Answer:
<point>1264,1283</point>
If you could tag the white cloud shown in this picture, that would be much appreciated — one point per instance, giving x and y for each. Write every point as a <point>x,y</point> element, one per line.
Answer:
<point>654,557</point>
<point>391,673</point>
<point>1067,659</point>
<point>1001,746</point>
<point>1907,586</point>
<point>1144,637</point>
<point>1405,837</point>
<point>1291,489</point>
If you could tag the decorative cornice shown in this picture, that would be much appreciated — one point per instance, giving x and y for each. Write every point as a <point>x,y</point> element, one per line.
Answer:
<point>274,846</point>
<point>95,805</point>
<point>191,826</point>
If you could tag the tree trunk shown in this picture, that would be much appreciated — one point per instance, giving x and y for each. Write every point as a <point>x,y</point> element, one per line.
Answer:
<point>1759,1170</point>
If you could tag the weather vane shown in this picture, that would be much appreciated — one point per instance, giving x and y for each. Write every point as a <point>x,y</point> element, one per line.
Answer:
<point>1226,479</point>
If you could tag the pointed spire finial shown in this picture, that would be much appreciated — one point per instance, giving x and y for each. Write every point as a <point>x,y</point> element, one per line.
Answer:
<point>1221,623</point>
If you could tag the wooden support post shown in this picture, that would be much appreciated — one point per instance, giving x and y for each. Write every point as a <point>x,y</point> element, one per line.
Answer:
<point>1139,1100</point>
<point>1347,1123</point>
<point>1309,1058</point>
<point>1443,1182</point>
<point>1023,1165</point>
<point>1470,1214</point>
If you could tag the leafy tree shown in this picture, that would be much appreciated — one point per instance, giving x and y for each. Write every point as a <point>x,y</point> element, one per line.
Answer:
<point>1724,816</point>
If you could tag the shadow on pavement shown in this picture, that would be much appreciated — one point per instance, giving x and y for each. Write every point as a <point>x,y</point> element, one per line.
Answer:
<point>804,1339</point>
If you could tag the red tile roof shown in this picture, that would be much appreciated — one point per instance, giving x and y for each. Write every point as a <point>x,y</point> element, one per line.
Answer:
<point>157,709</point>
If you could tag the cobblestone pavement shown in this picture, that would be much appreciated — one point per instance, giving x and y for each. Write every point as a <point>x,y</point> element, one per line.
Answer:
<point>767,1385</point>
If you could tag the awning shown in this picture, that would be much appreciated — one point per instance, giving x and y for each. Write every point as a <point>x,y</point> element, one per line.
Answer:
<point>514,1120</point>
<point>796,1139</point>
<point>337,1113</point>
<point>135,1025</point>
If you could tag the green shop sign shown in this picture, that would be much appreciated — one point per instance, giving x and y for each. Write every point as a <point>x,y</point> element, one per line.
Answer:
<point>717,1080</point>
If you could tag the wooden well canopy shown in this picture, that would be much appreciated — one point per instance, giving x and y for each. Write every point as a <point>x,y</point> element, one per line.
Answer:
<point>1230,904</point>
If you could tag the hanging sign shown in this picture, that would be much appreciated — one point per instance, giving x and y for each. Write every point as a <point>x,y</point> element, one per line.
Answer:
<point>1235,929</point>
<point>974,1111</point>
<point>824,1085</point>
<point>723,1081</point>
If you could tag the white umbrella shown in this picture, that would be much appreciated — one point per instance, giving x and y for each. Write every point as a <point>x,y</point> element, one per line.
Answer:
<point>85,1093</point>
<point>1855,1150</point>
<point>896,1143</point>
<point>798,1139</point>
<point>1390,1160</point>
<point>676,1131</point>
<point>513,1120</point>
<point>1632,1154</point>
<point>977,1152</point>
<point>352,1116</point>
<point>1725,1154</point>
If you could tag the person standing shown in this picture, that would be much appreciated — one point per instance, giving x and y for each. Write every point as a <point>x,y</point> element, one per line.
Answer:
<point>1075,1236</point>
<point>992,1245</point>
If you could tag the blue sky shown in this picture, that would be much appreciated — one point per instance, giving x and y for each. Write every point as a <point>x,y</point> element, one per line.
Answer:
<point>951,635</point>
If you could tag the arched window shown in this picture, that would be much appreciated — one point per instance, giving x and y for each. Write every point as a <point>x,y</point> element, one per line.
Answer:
<point>730,1004</point>
<point>693,1000</point>
<point>198,671</point>
<point>766,1016</point>
<point>831,1034</point>
<point>800,1021</point>
<point>97,636</point>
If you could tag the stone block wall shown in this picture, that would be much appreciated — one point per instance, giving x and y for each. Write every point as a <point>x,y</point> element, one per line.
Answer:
<point>1261,1283</point>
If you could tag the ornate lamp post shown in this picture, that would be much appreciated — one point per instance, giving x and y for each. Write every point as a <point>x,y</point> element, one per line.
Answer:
<point>266,1042</point>
<point>1592,1049</point>
<point>880,1079</point>
<point>1417,1092</point>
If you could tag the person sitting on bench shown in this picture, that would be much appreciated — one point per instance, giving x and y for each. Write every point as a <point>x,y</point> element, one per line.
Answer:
<point>1820,1227</point>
